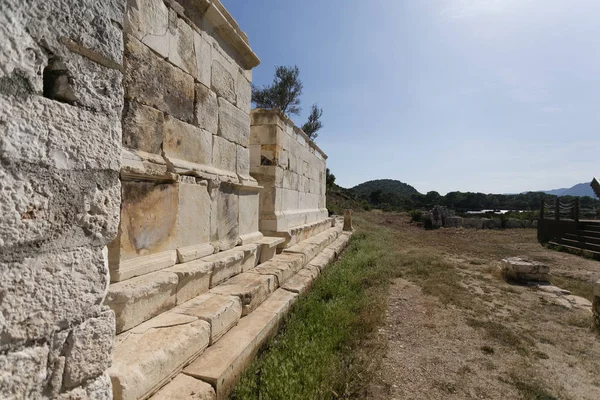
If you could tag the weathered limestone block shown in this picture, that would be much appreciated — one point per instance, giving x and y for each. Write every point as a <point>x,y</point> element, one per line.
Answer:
<point>207,109</point>
<point>234,124</point>
<point>142,127</point>
<point>126,269</point>
<point>203,59</point>
<point>148,220</point>
<point>139,299</point>
<point>89,349</point>
<point>323,259</point>
<point>521,269</point>
<point>193,218</point>
<point>97,389</point>
<point>248,212</point>
<point>243,161</point>
<point>340,244</point>
<point>269,247</point>
<point>222,312</point>
<point>22,373</point>
<point>348,220</point>
<point>186,142</point>
<point>185,387</point>
<point>148,21</point>
<point>222,364</point>
<point>224,218</point>
<point>243,92</point>
<point>152,81</point>
<point>43,293</point>
<point>44,209</point>
<point>191,253</point>
<point>225,265</point>
<point>146,359</point>
<point>222,82</point>
<point>140,165</point>
<point>182,46</point>
<point>194,279</point>
<point>251,256</point>
<point>251,288</point>
<point>224,154</point>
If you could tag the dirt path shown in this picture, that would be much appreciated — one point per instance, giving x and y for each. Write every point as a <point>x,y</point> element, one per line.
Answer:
<point>456,330</point>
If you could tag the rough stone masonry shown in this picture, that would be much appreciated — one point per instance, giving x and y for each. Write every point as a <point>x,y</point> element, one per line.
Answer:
<point>145,211</point>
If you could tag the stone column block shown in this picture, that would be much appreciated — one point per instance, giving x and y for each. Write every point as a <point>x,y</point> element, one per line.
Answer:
<point>148,21</point>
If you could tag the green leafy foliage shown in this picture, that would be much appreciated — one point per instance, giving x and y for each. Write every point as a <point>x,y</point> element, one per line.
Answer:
<point>284,93</point>
<point>314,123</point>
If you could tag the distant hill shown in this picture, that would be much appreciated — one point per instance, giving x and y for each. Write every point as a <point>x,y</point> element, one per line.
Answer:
<point>386,186</point>
<point>581,189</point>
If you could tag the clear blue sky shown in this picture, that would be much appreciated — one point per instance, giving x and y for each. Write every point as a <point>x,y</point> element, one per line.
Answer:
<point>497,96</point>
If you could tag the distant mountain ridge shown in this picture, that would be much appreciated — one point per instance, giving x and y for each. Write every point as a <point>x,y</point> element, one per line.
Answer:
<point>386,186</point>
<point>580,190</point>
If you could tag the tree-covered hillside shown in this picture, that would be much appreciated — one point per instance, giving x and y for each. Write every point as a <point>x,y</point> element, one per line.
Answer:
<point>385,186</point>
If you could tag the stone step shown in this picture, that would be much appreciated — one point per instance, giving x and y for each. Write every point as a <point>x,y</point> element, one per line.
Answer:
<point>302,281</point>
<point>138,299</point>
<point>149,355</point>
<point>152,353</point>
<point>221,312</point>
<point>251,288</point>
<point>185,387</point>
<point>283,267</point>
<point>222,364</point>
<point>314,245</point>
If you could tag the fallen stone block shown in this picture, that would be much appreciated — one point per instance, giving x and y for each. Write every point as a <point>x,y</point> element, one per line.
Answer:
<point>151,354</point>
<point>523,270</point>
<point>251,288</point>
<point>222,312</point>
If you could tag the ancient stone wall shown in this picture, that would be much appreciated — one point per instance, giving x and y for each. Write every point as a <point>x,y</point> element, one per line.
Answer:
<point>60,147</point>
<point>132,261</point>
<point>187,190</point>
<point>291,168</point>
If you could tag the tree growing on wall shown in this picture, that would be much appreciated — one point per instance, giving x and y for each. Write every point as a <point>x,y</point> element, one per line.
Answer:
<point>314,123</point>
<point>284,93</point>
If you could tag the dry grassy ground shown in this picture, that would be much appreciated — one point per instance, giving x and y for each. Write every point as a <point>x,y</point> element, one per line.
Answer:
<point>455,330</point>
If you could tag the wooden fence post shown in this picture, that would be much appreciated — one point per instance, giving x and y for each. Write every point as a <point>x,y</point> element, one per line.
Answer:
<point>557,209</point>
<point>576,209</point>
<point>542,209</point>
